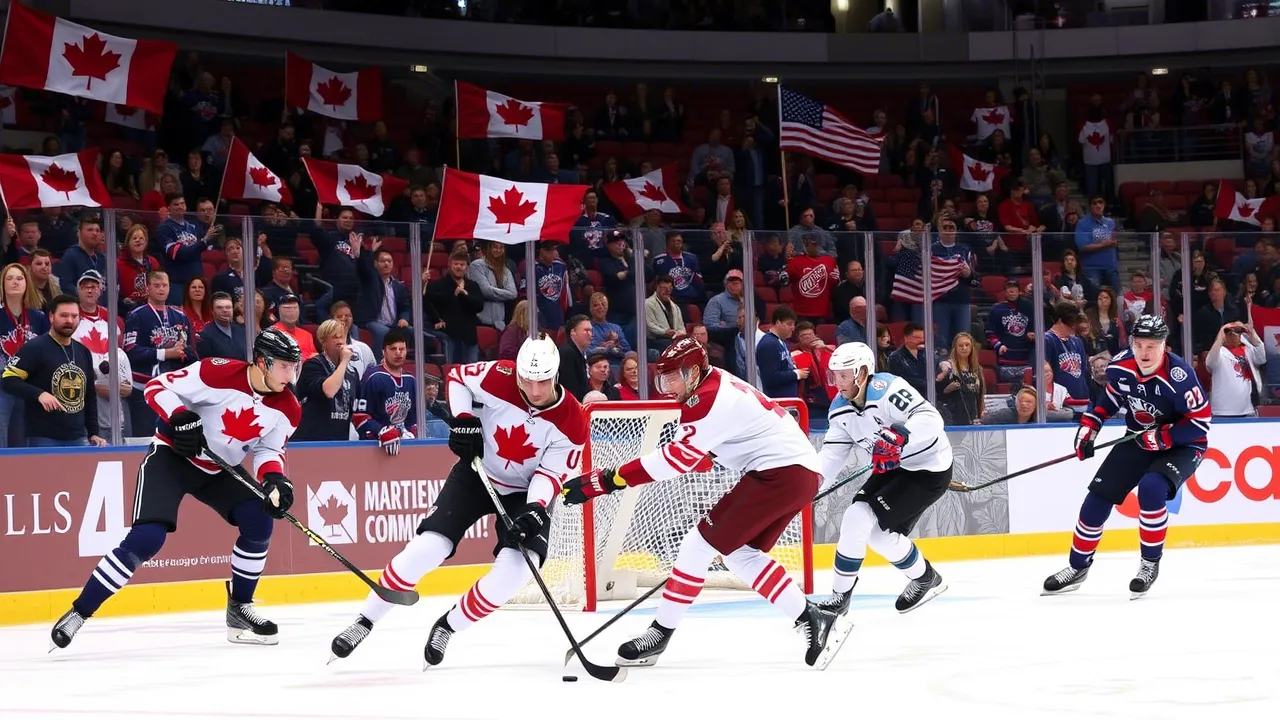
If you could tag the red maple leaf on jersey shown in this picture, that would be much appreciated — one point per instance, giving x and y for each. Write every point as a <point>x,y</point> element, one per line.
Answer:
<point>332,513</point>
<point>262,177</point>
<point>242,425</point>
<point>653,192</point>
<point>93,60</point>
<point>513,112</point>
<point>510,208</point>
<point>978,171</point>
<point>1096,138</point>
<point>360,189</point>
<point>994,116</point>
<point>95,342</point>
<point>514,445</point>
<point>63,181</point>
<point>1244,210</point>
<point>333,92</point>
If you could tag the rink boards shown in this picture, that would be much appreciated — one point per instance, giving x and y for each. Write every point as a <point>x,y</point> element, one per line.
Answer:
<point>62,510</point>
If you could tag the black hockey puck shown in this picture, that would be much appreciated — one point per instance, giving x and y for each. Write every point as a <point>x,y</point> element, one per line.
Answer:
<point>570,678</point>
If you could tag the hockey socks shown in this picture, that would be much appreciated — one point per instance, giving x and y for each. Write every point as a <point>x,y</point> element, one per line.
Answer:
<point>686,579</point>
<point>1093,515</point>
<point>899,550</point>
<point>1153,517</point>
<point>116,568</point>
<point>423,554</point>
<point>851,548</point>
<point>768,578</point>
<point>509,573</point>
<point>249,556</point>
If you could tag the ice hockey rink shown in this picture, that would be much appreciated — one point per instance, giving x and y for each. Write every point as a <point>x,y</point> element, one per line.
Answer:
<point>1204,644</point>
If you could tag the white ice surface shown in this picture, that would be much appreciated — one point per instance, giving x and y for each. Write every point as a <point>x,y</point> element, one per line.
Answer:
<point>1205,644</point>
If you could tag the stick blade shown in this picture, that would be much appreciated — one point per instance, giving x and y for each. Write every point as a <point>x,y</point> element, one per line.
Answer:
<point>608,674</point>
<point>396,597</point>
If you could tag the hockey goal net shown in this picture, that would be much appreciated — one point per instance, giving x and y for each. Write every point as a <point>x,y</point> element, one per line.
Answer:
<point>616,544</point>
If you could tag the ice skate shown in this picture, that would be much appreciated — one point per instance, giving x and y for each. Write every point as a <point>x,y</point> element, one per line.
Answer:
<point>349,639</point>
<point>1146,577</point>
<point>437,642</point>
<point>65,629</point>
<point>921,590</point>
<point>838,602</point>
<point>824,631</point>
<point>246,627</point>
<point>644,650</point>
<point>1064,581</point>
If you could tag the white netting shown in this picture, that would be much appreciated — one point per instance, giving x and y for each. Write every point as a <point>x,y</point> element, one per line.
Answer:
<point>638,531</point>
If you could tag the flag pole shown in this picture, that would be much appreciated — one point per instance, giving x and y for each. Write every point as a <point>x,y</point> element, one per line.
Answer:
<point>457,137</point>
<point>786,190</point>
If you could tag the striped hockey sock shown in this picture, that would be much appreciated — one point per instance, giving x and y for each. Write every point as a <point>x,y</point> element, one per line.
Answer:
<point>423,554</point>
<point>768,578</point>
<point>1153,516</point>
<point>1093,515</point>
<point>508,574</point>
<point>112,573</point>
<point>248,557</point>
<point>686,578</point>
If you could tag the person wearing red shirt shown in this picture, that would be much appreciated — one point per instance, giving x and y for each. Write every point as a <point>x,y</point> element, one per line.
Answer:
<point>812,278</point>
<point>290,309</point>
<point>132,267</point>
<point>1020,219</point>
<point>813,354</point>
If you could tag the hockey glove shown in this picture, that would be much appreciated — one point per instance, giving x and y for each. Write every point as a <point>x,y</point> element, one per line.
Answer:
<point>277,494</point>
<point>466,438</point>
<point>389,440</point>
<point>188,433</point>
<point>528,524</point>
<point>1085,434</point>
<point>597,482</point>
<point>887,453</point>
<point>1157,438</point>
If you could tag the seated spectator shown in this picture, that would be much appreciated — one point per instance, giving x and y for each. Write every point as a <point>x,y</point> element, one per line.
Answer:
<point>1040,178</point>
<point>606,338</point>
<point>1201,212</point>
<point>573,358</point>
<point>1023,411</point>
<point>18,240</point>
<point>1071,284</point>
<point>197,304</point>
<point>854,327</point>
<point>962,393</point>
<point>390,397</point>
<point>663,318</point>
<point>909,361</point>
<point>779,376</point>
<point>1219,311</point>
<point>1093,345</point>
<point>21,322</point>
<point>740,346</point>
<point>598,380</point>
<point>515,333</point>
<point>628,386</point>
<point>223,337</point>
<point>1010,333</point>
<point>383,302</point>
<point>1054,213</point>
<point>1157,216</point>
<point>853,285</point>
<point>329,388</point>
<point>281,281</point>
<point>229,281</point>
<point>721,314</point>
<point>813,354</point>
<point>290,310</point>
<point>1233,360</point>
<point>711,158</point>
<point>438,416</point>
<point>453,302</point>
<point>1137,299</point>
<point>1055,397</point>
<point>682,268</point>
<point>1105,319</point>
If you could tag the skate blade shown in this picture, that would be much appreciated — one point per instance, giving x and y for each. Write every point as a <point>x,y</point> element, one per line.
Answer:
<point>928,595</point>
<point>1063,591</point>
<point>240,636</point>
<point>1137,595</point>
<point>641,662</point>
<point>835,640</point>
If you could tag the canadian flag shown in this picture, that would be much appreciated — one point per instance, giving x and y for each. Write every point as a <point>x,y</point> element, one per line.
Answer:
<point>490,208</point>
<point>48,53</point>
<point>8,105</point>
<point>975,175</point>
<point>487,114</point>
<point>1266,321</point>
<point>656,190</point>
<point>1232,205</point>
<point>37,181</point>
<point>991,119</point>
<point>1095,142</point>
<point>246,178</point>
<point>353,186</point>
<point>126,116</point>
<point>345,96</point>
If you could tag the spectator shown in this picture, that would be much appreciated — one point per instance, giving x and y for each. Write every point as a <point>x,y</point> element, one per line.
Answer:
<point>1010,332</point>
<point>854,327</point>
<point>812,278</point>
<point>196,182</point>
<point>94,333</point>
<point>668,124</point>
<point>21,322</point>
<point>612,121</point>
<point>223,337</point>
<point>962,393</point>
<point>384,300</point>
<point>1023,411</point>
<point>606,338</point>
<point>853,285</point>
<point>772,263</point>
<point>1055,397</point>
<point>339,250</point>
<point>363,357</point>
<point>217,146</point>
<point>598,377</point>
<point>282,279</point>
<point>117,178</point>
<point>1040,179</point>
<point>779,376</point>
<point>43,279</point>
<point>806,228</point>
<point>663,319</point>
<point>1157,216</point>
<point>229,281</point>
<point>438,417</point>
<point>1201,212</point>
<point>153,198</point>
<point>909,361</point>
<point>497,285</point>
<point>619,280</point>
<point>19,240</point>
<point>551,277</point>
<point>721,312</point>
<point>197,304</point>
<point>1095,143</point>
<point>260,316</point>
<point>1095,239</point>
<point>515,333</point>
<point>58,230</point>
<point>290,312</point>
<point>951,312</point>
<point>884,348</point>
<point>132,267</point>
<point>682,268</point>
<point>382,152</point>
<point>721,207</point>
<point>158,340</point>
<point>51,375</point>
<point>454,301</point>
<point>83,256</point>
<point>628,386</point>
<point>1219,311</point>
<point>1137,300</point>
<point>183,246</point>
<point>725,254</point>
<point>813,354</point>
<point>1054,214</point>
<point>1071,284</point>
<point>573,359</point>
<point>328,388</point>
<point>1020,221</point>
<point>1066,353</point>
<point>740,345</point>
<point>1093,345</point>
<point>711,158</point>
<point>390,397</point>
<point>1233,360</point>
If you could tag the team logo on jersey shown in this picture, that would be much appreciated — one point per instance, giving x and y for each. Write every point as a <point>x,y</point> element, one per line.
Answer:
<point>219,361</point>
<point>168,336</point>
<point>551,285</point>
<point>331,512</point>
<point>68,384</point>
<point>879,384</point>
<point>681,276</point>
<point>1178,374</point>
<point>1070,363</point>
<point>503,369</point>
<point>1016,324</point>
<point>397,407</point>
<point>1143,412</point>
<point>813,281</point>
<point>13,340</point>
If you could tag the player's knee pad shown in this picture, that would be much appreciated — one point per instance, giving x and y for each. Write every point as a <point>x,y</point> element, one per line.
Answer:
<point>1153,490</point>
<point>858,522</point>
<point>695,546</point>
<point>144,541</point>
<point>254,522</point>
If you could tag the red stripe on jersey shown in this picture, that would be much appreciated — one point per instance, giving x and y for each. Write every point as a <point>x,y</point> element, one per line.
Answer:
<point>699,404</point>
<point>634,473</point>
<point>270,466</point>
<point>555,482</point>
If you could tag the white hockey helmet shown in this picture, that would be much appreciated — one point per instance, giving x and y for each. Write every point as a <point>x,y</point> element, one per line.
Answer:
<point>538,359</point>
<point>852,356</point>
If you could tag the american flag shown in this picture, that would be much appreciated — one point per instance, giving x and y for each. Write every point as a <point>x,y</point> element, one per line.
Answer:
<point>810,127</point>
<point>908,283</point>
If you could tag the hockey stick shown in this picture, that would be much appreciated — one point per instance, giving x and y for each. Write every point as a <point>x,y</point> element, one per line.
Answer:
<point>962,488</point>
<point>396,597</point>
<point>599,672</point>
<point>651,591</point>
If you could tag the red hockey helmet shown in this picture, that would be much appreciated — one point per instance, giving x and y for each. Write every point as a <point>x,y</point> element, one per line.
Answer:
<point>677,361</point>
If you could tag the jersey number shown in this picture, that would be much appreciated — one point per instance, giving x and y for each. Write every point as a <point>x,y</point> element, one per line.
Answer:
<point>901,399</point>
<point>175,375</point>
<point>1194,398</point>
<point>768,404</point>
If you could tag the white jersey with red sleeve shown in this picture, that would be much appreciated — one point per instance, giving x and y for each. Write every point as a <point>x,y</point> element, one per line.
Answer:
<point>525,449</point>
<point>237,420</point>
<point>732,421</point>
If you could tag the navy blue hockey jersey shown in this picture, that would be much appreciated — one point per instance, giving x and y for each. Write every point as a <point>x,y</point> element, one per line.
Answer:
<point>148,332</point>
<point>386,399</point>
<point>1170,396</point>
<point>1070,365</point>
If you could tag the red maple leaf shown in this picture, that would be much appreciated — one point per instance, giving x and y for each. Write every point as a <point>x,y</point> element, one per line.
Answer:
<point>126,111</point>
<point>262,177</point>
<point>93,61</point>
<point>242,425</point>
<point>360,189</point>
<point>514,445</point>
<point>1244,210</point>
<point>978,171</point>
<point>63,181</point>
<point>333,92</point>
<point>511,208</point>
<point>95,342</point>
<point>1096,138</point>
<point>332,512</point>
<point>994,116</point>
<point>653,192</point>
<point>513,112</point>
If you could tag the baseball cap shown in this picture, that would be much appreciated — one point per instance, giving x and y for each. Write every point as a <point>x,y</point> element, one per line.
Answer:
<point>289,298</point>
<point>1010,283</point>
<point>92,275</point>
<point>733,275</point>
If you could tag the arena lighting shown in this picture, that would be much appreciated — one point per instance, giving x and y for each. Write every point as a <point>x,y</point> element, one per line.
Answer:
<point>769,79</point>
<point>842,5</point>
<point>419,69</point>
<point>1159,71</point>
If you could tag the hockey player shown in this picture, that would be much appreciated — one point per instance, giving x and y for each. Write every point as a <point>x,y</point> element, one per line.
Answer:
<point>232,408</point>
<point>1165,403</point>
<point>530,433</point>
<point>911,469</point>
<point>747,432</point>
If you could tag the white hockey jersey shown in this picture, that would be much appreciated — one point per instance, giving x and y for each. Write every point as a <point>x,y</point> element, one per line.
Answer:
<point>237,421</point>
<point>525,449</point>
<point>890,400</point>
<point>732,420</point>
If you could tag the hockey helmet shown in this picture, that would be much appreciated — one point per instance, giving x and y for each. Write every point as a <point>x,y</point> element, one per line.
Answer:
<point>851,356</point>
<point>682,356</point>
<point>538,359</point>
<point>274,344</point>
<point>1150,326</point>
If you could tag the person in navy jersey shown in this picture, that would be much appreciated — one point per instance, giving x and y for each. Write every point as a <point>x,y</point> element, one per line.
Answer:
<point>951,312</point>
<point>682,268</point>
<point>588,235</point>
<point>339,246</point>
<point>1169,414</point>
<point>552,277</point>
<point>387,409</point>
<point>21,321</point>
<point>82,257</point>
<point>1010,333</point>
<point>157,339</point>
<point>182,246</point>
<point>229,281</point>
<point>1065,352</point>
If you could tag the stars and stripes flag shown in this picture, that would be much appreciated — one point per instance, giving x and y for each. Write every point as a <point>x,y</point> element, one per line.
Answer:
<point>815,129</point>
<point>908,283</point>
